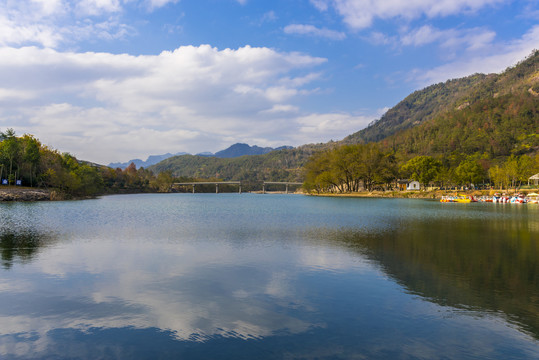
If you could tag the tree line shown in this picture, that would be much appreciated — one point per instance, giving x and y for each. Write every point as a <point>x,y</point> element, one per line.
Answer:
<point>352,168</point>
<point>25,159</point>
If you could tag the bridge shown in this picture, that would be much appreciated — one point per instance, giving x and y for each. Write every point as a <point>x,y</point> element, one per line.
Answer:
<point>216,183</point>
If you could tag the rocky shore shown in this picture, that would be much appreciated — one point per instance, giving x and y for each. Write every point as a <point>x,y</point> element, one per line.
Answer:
<point>24,194</point>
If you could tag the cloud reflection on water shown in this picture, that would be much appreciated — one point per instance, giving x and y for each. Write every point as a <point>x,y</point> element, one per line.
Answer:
<point>194,292</point>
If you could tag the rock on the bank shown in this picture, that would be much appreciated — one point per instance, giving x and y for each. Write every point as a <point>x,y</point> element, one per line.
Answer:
<point>15,194</point>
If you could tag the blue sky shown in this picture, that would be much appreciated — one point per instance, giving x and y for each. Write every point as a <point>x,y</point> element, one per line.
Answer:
<point>111,80</point>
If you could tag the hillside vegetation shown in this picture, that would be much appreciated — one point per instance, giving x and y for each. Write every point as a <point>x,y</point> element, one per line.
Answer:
<point>453,95</point>
<point>278,165</point>
<point>25,161</point>
<point>417,108</point>
<point>500,117</point>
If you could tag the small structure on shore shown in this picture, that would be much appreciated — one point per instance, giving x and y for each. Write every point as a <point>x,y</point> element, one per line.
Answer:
<point>406,184</point>
<point>402,184</point>
<point>535,179</point>
<point>413,185</point>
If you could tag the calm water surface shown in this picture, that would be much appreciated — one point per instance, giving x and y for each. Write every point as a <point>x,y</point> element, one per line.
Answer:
<point>231,276</point>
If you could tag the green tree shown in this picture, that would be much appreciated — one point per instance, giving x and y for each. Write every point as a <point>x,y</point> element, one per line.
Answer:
<point>318,173</point>
<point>498,176</point>
<point>31,155</point>
<point>10,149</point>
<point>163,181</point>
<point>469,172</point>
<point>511,170</point>
<point>526,168</point>
<point>422,168</point>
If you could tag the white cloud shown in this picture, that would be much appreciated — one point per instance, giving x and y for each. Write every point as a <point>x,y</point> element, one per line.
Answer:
<point>314,31</point>
<point>270,16</point>
<point>97,7</point>
<point>14,33</point>
<point>55,23</point>
<point>49,6</point>
<point>321,5</point>
<point>378,38</point>
<point>155,4</point>
<point>492,59</point>
<point>106,107</point>
<point>277,108</point>
<point>451,42</point>
<point>470,39</point>
<point>360,14</point>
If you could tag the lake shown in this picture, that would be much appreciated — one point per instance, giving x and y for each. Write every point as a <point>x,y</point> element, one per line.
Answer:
<point>230,276</point>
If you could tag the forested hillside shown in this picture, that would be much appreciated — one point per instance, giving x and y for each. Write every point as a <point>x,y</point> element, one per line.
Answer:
<point>417,108</point>
<point>453,95</point>
<point>497,127</point>
<point>279,165</point>
<point>499,118</point>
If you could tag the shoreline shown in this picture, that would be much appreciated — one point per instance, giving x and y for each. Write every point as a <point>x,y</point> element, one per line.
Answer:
<point>22,194</point>
<point>432,194</point>
<point>11,193</point>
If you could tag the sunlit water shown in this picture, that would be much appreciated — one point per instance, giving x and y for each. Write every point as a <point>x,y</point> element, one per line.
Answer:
<point>232,276</point>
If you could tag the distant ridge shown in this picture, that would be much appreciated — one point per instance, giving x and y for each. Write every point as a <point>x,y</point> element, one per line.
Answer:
<point>236,150</point>
<point>240,149</point>
<point>151,160</point>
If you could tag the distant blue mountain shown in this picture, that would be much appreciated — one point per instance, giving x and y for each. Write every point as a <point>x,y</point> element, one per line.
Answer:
<point>152,160</point>
<point>235,150</point>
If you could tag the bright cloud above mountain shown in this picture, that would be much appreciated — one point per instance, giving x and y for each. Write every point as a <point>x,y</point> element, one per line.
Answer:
<point>110,80</point>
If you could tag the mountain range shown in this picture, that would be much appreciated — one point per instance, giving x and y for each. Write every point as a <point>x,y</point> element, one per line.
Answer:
<point>236,150</point>
<point>151,160</point>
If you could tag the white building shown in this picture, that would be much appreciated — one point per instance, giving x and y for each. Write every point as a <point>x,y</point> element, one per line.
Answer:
<point>413,185</point>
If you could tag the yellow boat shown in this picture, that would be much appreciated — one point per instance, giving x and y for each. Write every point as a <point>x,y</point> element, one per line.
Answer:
<point>458,199</point>
<point>463,199</point>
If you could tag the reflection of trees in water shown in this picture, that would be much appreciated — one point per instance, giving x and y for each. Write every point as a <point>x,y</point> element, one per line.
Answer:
<point>489,265</point>
<point>20,246</point>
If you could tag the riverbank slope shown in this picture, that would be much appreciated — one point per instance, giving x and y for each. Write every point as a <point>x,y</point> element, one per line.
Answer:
<point>25,194</point>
